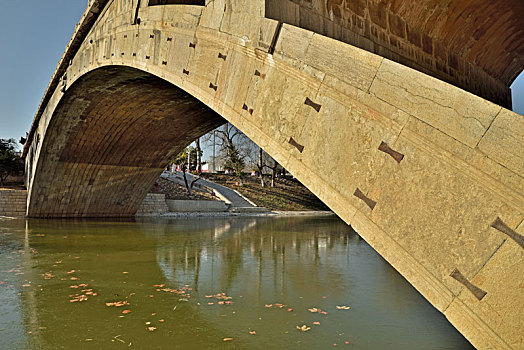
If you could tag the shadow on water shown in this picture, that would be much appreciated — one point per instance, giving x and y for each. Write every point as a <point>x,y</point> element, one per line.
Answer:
<point>193,282</point>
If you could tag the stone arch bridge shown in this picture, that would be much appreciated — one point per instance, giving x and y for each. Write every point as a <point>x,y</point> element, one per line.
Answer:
<point>391,112</point>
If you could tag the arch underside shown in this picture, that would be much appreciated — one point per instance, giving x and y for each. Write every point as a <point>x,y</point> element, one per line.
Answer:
<point>476,45</point>
<point>109,139</point>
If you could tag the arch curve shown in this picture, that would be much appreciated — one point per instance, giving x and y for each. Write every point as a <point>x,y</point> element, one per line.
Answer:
<point>109,138</point>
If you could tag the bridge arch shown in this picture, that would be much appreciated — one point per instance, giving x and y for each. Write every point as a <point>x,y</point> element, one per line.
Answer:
<point>430,175</point>
<point>108,140</point>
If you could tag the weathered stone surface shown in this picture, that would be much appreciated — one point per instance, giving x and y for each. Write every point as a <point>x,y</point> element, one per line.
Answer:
<point>503,146</point>
<point>13,202</point>
<point>501,308</point>
<point>476,46</point>
<point>130,103</point>
<point>455,112</point>
<point>154,203</point>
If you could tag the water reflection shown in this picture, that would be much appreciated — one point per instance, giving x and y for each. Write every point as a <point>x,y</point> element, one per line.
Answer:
<point>172,274</point>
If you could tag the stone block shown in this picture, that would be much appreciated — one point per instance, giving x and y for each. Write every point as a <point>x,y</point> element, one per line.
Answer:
<point>503,142</point>
<point>449,109</point>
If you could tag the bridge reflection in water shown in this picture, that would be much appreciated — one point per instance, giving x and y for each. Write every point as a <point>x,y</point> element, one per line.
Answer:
<point>172,273</point>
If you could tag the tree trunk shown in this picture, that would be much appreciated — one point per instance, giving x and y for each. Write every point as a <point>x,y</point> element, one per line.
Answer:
<point>199,157</point>
<point>185,180</point>
<point>273,175</point>
<point>260,167</point>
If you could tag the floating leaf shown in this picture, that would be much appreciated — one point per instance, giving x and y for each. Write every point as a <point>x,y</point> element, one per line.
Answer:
<point>316,323</point>
<point>303,328</point>
<point>228,339</point>
<point>151,329</point>
<point>252,332</point>
<point>126,311</point>
<point>343,307</point>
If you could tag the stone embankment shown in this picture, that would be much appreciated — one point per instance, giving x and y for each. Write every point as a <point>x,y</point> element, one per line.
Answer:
<point>153,204</point>
<point>13,202</point>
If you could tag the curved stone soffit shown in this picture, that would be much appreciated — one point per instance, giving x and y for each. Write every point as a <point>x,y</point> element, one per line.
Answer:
<point>424,171</point>
<point>114,129</point>
<point>476,45</point>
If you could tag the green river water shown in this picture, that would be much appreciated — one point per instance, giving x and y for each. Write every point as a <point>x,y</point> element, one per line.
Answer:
<point>206,283</point>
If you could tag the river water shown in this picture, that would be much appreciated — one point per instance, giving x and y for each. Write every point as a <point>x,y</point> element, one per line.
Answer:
<point>206,283</point>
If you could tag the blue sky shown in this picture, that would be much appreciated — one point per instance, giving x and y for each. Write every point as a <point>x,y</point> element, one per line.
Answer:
<point>33,36</point>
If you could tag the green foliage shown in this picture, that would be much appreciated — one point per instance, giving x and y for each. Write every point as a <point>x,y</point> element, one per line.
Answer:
<point>181,158</point>
<point>10,163</point>
<point>234,161</point>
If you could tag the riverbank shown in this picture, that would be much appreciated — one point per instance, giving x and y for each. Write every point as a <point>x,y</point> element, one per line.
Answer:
<point>277,213</point>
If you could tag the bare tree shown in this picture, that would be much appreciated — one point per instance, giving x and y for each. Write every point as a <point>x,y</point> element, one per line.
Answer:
<point>260,166</point>
<point>274,166</point>
<point>233,145</point>
<point>199,157</point>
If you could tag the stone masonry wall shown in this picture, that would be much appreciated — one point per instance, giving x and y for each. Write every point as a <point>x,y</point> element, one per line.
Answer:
<point>12,202</point>
<point>154,203</point>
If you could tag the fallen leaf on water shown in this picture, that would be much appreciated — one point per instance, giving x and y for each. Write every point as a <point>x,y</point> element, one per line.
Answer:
<point>151,329</point>
<point>73,278</point>
<point>210,303</point>
<point>158,285</point>
<point>343,307</point>
<point>227,339</point>
<point>252,332</point>
<point>316,323</point>
<point>268,305</point>
<point>72,271</point>
<point>313,309</point>
<point>303,328</point>
<point>73,286</point>
<point>126,311</point>
<point>153,314</point>
<point>290,309</point>
<point>148,323</point>
<point>124,272</point>
<point>117,303</point>
<point>161,320</point>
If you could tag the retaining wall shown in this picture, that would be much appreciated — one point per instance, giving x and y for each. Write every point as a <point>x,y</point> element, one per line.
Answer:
<point>13,202</point>
<point>154,203</point>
